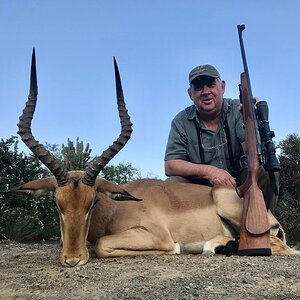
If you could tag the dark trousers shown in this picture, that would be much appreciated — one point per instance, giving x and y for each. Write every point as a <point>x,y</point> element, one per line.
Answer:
<point>269,186</point>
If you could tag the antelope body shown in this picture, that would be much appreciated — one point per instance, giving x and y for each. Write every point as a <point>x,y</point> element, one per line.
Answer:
<point>142,217</point>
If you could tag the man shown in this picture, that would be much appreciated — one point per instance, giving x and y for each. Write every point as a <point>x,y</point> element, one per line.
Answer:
<point>206,140</point>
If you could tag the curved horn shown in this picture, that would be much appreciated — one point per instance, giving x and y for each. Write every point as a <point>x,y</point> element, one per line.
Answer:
<point>50,161</point>
<point>99,162</point>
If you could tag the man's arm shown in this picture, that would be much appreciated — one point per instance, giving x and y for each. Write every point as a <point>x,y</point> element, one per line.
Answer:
<point>178,167</point>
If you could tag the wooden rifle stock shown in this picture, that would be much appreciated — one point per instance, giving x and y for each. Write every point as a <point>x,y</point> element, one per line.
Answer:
<point>255,228</point>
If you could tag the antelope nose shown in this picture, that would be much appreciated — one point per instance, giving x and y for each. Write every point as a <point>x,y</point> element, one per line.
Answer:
<point>72,262</point>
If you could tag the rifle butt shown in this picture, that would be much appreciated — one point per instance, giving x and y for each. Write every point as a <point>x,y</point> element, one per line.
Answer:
<point>255,228</point>
<point>254,244</point>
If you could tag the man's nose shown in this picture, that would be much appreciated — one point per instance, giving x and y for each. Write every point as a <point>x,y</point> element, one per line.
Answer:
<point>205,90</point>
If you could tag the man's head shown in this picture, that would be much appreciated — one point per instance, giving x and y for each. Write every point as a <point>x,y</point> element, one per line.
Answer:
<point>206,90</point>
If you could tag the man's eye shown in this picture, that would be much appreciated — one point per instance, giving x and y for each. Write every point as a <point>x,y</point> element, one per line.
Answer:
<point>198,88</point>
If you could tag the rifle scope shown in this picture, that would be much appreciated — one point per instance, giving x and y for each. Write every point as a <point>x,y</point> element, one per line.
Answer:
<point>266,135</point>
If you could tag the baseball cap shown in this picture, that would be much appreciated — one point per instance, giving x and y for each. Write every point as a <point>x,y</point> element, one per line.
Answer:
<point>204,70</point>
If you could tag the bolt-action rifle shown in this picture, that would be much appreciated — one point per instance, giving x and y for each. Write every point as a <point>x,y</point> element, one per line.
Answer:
<point>260,151</point>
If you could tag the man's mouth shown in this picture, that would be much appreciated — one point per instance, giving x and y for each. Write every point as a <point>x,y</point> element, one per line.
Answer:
<point>207,101</point>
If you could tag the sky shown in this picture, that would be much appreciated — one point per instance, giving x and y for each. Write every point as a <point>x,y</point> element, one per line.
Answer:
<point>156,44</point>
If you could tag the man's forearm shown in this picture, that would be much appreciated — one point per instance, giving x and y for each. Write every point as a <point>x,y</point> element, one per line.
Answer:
<point>187,169</point>
<point>199,171</point>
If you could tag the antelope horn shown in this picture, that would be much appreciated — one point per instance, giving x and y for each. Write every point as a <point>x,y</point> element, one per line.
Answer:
<point>99,162</point>
<point>50,161</point>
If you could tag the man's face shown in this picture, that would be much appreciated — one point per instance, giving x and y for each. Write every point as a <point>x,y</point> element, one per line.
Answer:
<point>207,95</point>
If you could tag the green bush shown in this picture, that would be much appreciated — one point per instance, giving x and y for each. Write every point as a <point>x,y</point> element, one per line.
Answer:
<point>16,224</point>
<point>22,217</point>
<point>288,208</point>
<point>288,212</point>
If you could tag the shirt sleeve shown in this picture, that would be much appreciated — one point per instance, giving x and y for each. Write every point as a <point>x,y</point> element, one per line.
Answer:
<point>177,142</point>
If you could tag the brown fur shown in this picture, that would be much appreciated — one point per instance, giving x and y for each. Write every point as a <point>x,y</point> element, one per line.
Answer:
<point>279,247</point>
<point>169,215</point>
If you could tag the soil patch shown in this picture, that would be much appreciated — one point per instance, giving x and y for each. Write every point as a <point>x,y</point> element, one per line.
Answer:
<point>32,271</point>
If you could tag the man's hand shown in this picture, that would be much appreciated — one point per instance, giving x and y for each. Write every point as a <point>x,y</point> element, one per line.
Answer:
<point>218,176</point>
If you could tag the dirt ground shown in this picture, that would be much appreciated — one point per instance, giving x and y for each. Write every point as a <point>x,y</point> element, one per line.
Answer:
<point>32,271</point>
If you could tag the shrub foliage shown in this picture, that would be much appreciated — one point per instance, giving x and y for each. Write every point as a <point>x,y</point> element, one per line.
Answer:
<point>288,208</point>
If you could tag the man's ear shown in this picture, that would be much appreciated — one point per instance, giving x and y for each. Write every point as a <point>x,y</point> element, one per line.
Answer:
<point>190,93</point>
<point>223,85</point>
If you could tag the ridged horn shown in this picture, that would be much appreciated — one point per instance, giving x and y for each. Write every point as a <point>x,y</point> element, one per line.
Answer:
<point>50,161</point>
<point>99,162</point>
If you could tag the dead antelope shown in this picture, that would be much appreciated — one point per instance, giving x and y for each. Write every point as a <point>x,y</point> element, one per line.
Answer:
<point>161,218</point>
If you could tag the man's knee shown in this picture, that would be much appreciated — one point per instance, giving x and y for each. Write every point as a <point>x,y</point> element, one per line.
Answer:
<point>269,184</point>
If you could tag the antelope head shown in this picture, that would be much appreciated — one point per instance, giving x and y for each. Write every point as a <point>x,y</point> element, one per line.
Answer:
<point>75,191</point>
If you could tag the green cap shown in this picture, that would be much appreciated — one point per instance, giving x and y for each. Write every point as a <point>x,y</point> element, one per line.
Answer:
<point>204,70</point>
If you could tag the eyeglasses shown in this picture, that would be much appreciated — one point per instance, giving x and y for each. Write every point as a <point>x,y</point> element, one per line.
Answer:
<point>223,142</point>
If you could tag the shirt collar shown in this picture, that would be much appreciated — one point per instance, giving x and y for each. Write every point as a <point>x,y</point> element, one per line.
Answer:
<point>192,113</point>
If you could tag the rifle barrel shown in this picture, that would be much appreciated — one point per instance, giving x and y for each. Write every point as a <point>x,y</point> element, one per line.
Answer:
<point>240,30</point>
<point>252,100</point>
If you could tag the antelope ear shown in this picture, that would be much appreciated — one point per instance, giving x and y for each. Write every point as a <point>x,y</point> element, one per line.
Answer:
<point>113,190</point>
<point>35,187</point>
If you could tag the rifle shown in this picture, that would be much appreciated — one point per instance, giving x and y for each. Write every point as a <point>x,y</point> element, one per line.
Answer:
<point>260,151</point>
